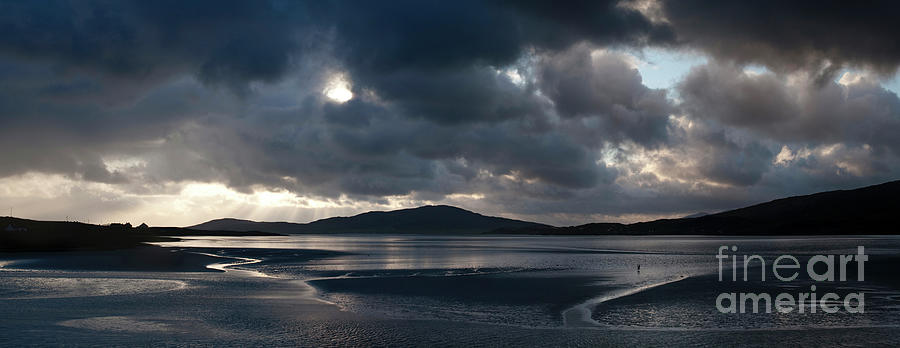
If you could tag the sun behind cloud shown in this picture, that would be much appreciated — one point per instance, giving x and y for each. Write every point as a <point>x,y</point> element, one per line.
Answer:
<point>338,89</point>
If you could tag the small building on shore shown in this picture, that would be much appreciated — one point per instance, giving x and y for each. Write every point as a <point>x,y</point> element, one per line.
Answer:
<point>11,228</point>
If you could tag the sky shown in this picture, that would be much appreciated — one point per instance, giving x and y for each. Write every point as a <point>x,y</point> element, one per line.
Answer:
<point>177,112</point>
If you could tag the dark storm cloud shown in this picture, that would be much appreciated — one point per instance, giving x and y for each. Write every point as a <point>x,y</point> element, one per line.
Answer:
<point>436,59</point>
<point>552,158</point>
<point>369,146</point>
<point>604,86</point>
<point>228,42</point>
<point>725,161</point>
<point>381,152</point>
<point>233,42</point>
<point>472,94</point>
<point>50,129</point>
<point>426,35</point>
<point>794,110</point>
<point>791,35</point>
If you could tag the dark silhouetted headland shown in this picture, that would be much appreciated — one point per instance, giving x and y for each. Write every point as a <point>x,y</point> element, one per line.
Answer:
<point>32,235</point>
<point>864,211</point>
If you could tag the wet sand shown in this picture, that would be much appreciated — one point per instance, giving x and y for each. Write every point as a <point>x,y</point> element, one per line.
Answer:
<point>143,258</point>
<point>249,306</point>
<point>237,311</point>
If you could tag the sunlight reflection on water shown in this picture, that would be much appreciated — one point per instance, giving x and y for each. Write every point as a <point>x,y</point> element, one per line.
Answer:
<point>55,287</point>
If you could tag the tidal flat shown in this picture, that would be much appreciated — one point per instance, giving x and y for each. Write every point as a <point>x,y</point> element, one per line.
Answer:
<point>355,290</point>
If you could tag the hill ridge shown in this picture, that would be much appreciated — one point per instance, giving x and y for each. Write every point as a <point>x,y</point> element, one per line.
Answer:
<point>865,210</point>
<point>424,219</point>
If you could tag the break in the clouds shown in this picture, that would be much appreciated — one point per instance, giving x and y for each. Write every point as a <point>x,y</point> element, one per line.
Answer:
<point>176,112</point>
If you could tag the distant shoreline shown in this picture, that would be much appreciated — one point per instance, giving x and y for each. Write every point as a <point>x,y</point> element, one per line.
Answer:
<point>24,235</point>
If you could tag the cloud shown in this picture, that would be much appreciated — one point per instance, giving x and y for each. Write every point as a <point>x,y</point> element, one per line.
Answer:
<point>517,108</point>
<point>790,35</point>
<point>588,83</point>
<point>793,108</point>
<point>472,94</point>
<point>235,42</point>
<point>436,35</point>
<point>222,42</point>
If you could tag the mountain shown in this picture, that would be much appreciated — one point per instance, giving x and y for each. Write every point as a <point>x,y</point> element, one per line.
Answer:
<point>436,219</point>
<point>229,224</point>
<point>868,210</point>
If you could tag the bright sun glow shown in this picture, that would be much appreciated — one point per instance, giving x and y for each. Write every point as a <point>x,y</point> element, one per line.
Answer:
<point>338,89</point>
